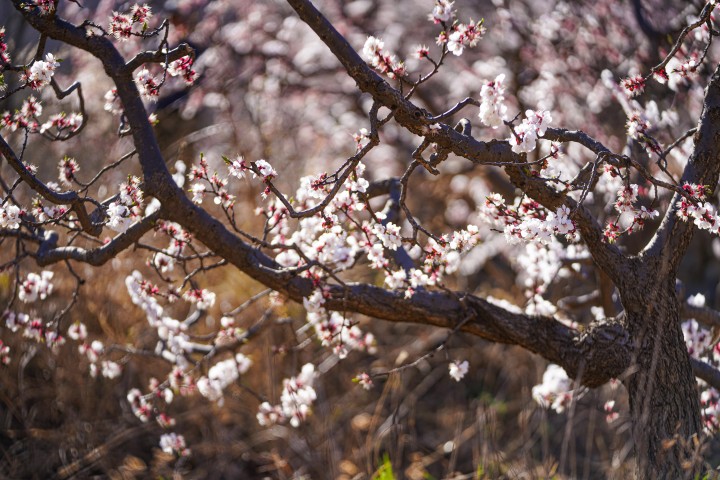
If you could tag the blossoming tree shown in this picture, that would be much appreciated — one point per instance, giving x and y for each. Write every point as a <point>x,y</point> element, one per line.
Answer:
<point>627,211</point>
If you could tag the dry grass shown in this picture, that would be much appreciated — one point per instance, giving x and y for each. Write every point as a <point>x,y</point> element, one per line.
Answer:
<point>60,423</point>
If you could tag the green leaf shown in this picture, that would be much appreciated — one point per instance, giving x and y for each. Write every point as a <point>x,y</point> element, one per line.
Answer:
<point>385,472</point>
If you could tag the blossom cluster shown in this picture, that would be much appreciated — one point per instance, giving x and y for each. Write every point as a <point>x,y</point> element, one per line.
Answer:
<point>238,167</point>
<point>334,329</point>
<point>63,122</point>
<point>632,217</point>
<point>45,213</point>
<point>147,85</point>
<point>361,138</point>
<point>493,111</point>
<point>121,24</point>
<point>297,397</point>
<point>182,67</point>
<point>321,237</point>
<point>174,342</point>
<point>610,413</point>
<point>36,286</point>
<point>336,239</point>
<point>374,51</point>
<point>218,186</point>
<point>67,167</point>
<point>230,330</point>
<point>153,406</point>
<point>703,214</point>
<point>526,134</point>
<point>126,207</point>
<point>202,298</point>
<point>539,265</point>
<point>174,444</point>
<point>677,73</point>
<point>164,261</point>
<point>109,369</point>
<point>28,118</point>
<point>112,102</point>
<point>145,407</point>
<point>93,351</point>
<point>364,380</point>
<point>528,220</point>
<point>4,55</point>
<point>33,329</point>
<point>41,72</point>
<point>462,36</point>
<point>45,7</point>
<point>638,127</point>
<point>439,258</point>
<point>633,85</point>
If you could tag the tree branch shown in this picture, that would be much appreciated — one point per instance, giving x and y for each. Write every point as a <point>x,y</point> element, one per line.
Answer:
<point>48,253</point>
<point>706,372</point>
<point>77,203</point>
<point>706,316</point>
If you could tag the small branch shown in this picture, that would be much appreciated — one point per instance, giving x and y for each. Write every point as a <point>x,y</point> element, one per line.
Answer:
<point>106,168</point>
<point>339,182</point>
<point>459,106</point>
<point>159,56</point>
<point>60,94</point>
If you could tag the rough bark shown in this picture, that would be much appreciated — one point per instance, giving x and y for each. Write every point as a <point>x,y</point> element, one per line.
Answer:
<point>664,402</point>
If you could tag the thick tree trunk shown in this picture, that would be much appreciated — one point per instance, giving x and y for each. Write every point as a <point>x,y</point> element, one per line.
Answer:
<point>664,401</point>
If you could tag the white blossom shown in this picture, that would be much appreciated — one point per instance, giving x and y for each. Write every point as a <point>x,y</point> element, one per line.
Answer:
<point>36,286</point>
<point>10,217</point>
<point>493,111</point>
<point>555,390</point>
<point>458,369</point>
<point>118,217</point>
<point>41,72</point>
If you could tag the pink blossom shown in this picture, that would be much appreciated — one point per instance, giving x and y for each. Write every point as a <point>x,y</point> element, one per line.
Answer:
<point>364,380</point>
<point>148,85</point>
<point>174,444</point>
<point>382,61</point>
